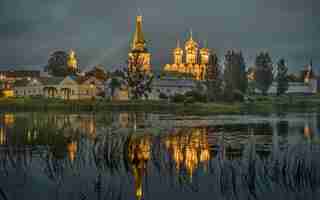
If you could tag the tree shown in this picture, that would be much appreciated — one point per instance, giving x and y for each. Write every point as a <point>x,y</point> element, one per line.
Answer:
<point>282,77</point>
<point>137,79</point>
<point>213,79</point>
<point>58,64</point>
<point>113,85</point>
<point>251,77</point>
<point>234,74</point>
<point>264,72</point>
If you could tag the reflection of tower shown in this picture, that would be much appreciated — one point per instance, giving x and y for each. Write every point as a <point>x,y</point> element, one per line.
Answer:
<point>191,48</point>
<point>3,137</point>
<point>139,154</point>
<point>177,54</point>
<point>139,55</point>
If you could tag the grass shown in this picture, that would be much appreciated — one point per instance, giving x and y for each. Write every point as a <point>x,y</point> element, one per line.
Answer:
<point>260,104</point>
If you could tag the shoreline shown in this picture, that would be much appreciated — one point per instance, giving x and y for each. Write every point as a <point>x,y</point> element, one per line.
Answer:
<point>258,107</point>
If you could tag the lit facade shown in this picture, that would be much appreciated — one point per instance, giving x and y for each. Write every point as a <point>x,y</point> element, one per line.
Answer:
<point>72,61</point>
<point>196,60</point>
<point>139,55</point>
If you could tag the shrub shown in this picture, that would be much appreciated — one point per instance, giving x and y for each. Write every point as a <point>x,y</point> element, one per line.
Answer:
<point>163,96</point>
<point>178,98</point>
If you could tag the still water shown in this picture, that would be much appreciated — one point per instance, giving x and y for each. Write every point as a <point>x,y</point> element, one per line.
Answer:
<point>156,156</point>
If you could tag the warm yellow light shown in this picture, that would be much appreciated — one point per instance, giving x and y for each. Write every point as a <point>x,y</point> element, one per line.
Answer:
<point>8,93</point>
<point>307,131</point>
<point>8,119</point>
<point>72,150</point>
<point>2,136</point>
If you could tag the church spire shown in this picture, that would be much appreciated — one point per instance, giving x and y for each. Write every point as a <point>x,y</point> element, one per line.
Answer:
<point>138,42</point>
<point>178,44</point>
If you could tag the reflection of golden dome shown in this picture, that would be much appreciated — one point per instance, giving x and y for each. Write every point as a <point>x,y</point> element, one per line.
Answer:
<point>189,150</point>
<point>8,119</point>
<point>72,150</point>
<point>3,137</point>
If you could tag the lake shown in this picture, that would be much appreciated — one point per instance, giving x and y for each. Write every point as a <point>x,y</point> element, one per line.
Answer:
<point>129,155</point>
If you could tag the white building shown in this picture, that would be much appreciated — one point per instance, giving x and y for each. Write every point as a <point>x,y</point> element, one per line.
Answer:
<point>70,87</point>
<point>171,87</point>
<point>297,87</point>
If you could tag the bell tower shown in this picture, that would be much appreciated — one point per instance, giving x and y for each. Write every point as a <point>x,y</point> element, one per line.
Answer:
<point>191,48</point>
<point>204,55</point>
<point>139,55</point>
<point>72,61</point>
<point>177,54</point>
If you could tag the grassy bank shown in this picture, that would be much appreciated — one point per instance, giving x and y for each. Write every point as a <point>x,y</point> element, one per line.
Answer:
<point>258,105</point>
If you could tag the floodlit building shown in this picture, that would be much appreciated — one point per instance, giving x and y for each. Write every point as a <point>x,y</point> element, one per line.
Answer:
<point>195,63</point>
<point>139,54</point>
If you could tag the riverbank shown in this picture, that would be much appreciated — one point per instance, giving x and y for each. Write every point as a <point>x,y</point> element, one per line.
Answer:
<point>257,105</point>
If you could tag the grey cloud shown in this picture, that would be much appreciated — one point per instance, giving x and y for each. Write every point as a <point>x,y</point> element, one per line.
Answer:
<point>100,30</point>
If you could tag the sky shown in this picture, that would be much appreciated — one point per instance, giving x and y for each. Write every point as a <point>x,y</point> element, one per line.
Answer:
<point>100,30</point>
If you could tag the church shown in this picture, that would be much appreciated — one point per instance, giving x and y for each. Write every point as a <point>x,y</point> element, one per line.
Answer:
<point>196,60</point>
<point>139,55</point>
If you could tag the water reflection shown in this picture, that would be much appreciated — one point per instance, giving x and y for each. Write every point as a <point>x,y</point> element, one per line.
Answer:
<point>188,148</point>
<point>228,160</point>
<point>139,154</point>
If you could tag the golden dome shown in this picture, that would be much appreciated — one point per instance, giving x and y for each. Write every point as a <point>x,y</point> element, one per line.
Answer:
<point>190,43</point>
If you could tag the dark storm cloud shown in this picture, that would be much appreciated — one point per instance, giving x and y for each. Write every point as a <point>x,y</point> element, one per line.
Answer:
<point>100,30</point>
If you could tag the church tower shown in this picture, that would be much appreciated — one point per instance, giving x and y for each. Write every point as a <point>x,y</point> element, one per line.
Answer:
<point>139,55</point>
<point>204,55</point>
<point>177,54</point>
<point>72,61</point>
<point>191,48</point>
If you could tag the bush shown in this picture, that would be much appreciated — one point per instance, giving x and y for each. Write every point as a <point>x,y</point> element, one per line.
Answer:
<point>178,98</point>
<point>196,96</point>
<point>163,96</point>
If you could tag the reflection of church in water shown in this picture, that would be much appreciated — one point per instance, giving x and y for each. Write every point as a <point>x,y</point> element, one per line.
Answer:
<point>189,150</point>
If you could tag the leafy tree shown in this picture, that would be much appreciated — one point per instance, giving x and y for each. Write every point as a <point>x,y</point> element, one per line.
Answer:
<point>213,79</point>
<point>282,77</point>
<point>264,72</point>
<point>136,78</point>
<point>234,75</point>
<point>58,64</point>
<point>113,85</point>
